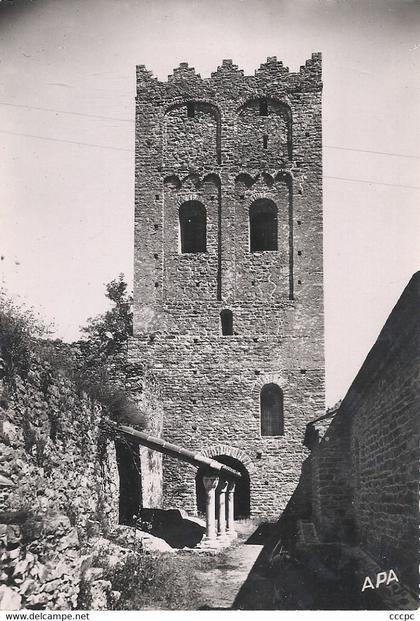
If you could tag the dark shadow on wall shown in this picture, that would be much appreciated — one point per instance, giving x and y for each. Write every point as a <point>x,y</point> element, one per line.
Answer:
<point>130,500</point>
<point>290,576</point>
<point>171,526</point>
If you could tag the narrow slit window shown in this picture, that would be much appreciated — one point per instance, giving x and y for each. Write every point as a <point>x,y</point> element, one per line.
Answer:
<point>190,110</point>
<point>193,225</point>
<point>226,320</point>
<point>263,225</point>
<point>265,142</point>
<point>263,107</point>
<point>272,415</point>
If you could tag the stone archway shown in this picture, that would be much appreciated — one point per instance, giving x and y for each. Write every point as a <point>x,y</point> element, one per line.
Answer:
<point>242,495</point>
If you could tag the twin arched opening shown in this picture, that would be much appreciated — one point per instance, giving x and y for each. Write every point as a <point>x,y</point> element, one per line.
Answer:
<point>242,495</point>
<point>263,226</point>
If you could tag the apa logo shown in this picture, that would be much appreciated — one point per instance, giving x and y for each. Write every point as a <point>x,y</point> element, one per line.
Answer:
<point>382,578</point>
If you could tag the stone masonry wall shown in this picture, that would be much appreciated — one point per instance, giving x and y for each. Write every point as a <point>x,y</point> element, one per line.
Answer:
<point>227,141</point>
<point>368,458</point>
<point>145,391</point>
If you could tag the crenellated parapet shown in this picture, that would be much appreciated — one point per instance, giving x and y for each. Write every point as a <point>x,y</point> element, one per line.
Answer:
<point>228,78</point>
<point>195,138</point>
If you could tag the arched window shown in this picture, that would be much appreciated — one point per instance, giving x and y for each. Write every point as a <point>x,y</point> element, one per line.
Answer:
<point>271,403</point>
<point>263,225</point>
<point>192,224</point>
<point>226,319</point>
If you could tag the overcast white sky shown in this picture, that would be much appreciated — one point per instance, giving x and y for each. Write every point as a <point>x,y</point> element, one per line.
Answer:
<point>67,78</point>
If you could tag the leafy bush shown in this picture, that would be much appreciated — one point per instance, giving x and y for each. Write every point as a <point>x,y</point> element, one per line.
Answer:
<point>96,363</point>
<point>20,328</point>
<point>165,582</point>
<point>107,334</point>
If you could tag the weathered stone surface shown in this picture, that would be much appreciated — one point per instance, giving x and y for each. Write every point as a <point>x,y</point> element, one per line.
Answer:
<point>155,544</point>
<point>9,598</point>
<point>226,142</point>
<point>364,480</point>
<point>65,477</point>
<point>100,593</point>
<point>110,553</point>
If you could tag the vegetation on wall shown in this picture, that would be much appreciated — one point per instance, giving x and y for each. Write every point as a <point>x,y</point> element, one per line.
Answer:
<point>20,330</point>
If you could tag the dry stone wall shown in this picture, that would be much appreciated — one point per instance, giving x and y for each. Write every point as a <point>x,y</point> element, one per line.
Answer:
<point>62,487</point>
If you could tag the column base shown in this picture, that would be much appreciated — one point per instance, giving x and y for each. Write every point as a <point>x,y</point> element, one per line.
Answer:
<point>208,543</point>
<point>213,543</point>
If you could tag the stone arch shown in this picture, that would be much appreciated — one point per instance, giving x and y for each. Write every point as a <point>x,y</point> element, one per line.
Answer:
<point>192,134</point>
<point>179,102</point>
<point>212,178</point>
<point>244,179</point>
<point>269,180</point>
<point>242,493</point>
<point>225,449</point>
<point>257,95</point>
<point>273,106</point>
<point>268,378</point>
<point>184,196</point>
<point>284,177</point>
<point>263,130</point>
<point>274,377</point>
<point>173,182</point>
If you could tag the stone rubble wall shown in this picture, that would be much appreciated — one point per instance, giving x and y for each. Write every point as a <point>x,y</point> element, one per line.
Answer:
<point>65,487</point>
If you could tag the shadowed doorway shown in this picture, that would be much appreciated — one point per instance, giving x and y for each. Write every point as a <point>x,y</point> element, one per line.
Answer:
<point>242,496</point>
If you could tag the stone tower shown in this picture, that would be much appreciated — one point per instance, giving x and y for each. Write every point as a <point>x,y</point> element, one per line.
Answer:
<point>228,295</point>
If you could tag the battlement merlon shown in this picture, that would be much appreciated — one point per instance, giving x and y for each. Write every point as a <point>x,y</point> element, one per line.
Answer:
<point>228,79</point>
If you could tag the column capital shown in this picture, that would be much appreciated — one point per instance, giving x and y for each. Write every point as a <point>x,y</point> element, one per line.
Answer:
<point>231,486</point>
<point>210,482</point>
<point>223,486</point>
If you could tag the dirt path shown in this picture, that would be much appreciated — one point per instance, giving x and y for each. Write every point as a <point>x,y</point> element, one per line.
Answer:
<point>244,577</point>
<point>221,584</point>
<point>222,577</point>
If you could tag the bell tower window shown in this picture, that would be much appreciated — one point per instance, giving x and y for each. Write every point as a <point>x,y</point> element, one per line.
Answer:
<point>192,225</point>
<point>263,225</point>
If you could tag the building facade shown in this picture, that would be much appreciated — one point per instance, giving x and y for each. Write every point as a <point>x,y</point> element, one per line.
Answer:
<point>228,293</point>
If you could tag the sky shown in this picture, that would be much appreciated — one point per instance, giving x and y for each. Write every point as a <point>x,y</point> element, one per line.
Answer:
<point>67,88</point>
